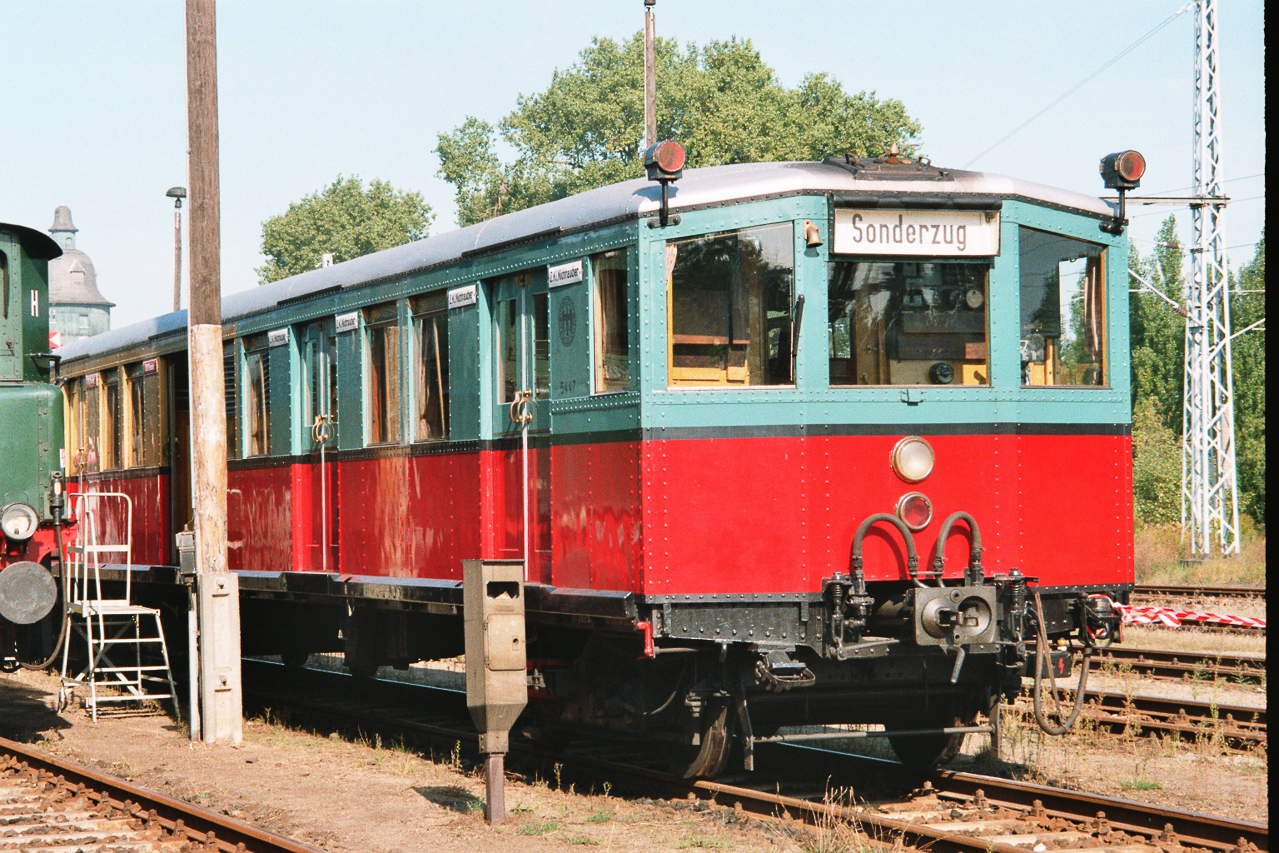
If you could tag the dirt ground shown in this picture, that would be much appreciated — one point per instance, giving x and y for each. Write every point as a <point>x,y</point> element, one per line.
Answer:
<point>371,798</point>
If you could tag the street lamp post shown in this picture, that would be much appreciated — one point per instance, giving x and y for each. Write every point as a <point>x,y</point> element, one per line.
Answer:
<point>177,194</point>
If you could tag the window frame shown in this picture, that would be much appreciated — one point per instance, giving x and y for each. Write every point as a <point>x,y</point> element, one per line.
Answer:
<point>745,301</point>
<point>430,308</point>
<point>383,422</point>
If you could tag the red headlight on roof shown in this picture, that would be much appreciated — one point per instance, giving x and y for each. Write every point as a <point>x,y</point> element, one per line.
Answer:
<point>665,160</point>
<point>1123,170</point>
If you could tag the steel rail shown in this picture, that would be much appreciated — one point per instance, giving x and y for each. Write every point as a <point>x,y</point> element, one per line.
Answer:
<point>185,821</point>
<point>1189,827</point>
<point>1163,663</point>
<point>1238,726</point>
<point>961,813</point>
<point>1194,590</point>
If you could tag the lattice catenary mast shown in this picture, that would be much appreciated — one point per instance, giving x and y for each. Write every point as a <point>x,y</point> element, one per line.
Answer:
<point>1209,502</point>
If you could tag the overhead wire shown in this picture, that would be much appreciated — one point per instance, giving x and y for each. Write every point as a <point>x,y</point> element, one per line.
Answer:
<point>1077,86</point>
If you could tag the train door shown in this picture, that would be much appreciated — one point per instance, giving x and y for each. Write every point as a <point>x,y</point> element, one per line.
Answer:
<point>521,421</point>
<point>318,516</point>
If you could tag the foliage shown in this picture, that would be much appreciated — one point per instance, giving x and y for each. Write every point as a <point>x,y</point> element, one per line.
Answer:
<point>1158,378</point>
<point>1158,355</point>
<point>720,101</point>
<point>343,219</point>
<point>1249,364</point>
<point>1156,466</point>
<point>1159,332</point>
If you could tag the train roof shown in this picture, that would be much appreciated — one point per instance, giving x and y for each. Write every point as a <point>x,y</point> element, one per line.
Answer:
<point>697,188</point>
<point>35,243</point>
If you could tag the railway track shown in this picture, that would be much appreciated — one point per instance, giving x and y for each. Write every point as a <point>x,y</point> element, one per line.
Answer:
<point>48,803</point>
<point>1196,666</point>
<point>969,813</point>
<point>1238,727</point>
<point>954,813</point>
<point>1183,591</point>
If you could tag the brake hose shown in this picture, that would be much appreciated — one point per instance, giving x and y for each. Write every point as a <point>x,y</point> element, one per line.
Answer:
<point>1041,649</point>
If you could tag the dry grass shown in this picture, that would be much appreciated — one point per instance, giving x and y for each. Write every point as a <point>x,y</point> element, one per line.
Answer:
<point>1159,559</point>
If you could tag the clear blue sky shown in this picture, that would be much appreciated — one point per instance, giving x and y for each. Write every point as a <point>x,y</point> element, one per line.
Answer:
<point>95,104</point>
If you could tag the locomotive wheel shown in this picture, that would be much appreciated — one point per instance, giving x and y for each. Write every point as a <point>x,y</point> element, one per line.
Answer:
<point>709,759</point>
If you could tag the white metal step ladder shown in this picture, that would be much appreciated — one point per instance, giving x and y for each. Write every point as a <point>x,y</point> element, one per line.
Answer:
<point>128,660</point>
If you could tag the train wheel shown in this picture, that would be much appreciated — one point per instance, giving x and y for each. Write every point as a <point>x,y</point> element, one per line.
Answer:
<point>708,760</point>
<point>294,658</point>
<point>921,753</point>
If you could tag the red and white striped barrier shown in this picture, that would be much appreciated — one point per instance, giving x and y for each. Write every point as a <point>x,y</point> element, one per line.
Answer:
<point>1173,617</point>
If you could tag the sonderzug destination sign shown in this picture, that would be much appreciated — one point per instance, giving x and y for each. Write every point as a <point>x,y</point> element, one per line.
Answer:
<point>949,233</point>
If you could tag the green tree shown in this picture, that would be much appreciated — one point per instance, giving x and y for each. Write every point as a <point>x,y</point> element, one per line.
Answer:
<point>720,101</point>
<point>1158,341</point>
<point>1158,332</point>
<point>1248,352</point>
<point>343,219</point>
<point>1156,466</point>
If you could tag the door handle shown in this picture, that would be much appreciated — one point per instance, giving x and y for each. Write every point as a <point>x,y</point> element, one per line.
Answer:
<point>520,413</point>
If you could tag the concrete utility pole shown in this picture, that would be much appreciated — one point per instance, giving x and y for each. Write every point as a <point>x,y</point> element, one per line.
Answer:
<point>1209,501</point>
<point>650,75</point>
<point>217,590</point>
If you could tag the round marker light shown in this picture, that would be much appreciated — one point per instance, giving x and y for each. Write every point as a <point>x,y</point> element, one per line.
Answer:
<point>1130,165</point>
<point>1123,170</point>
<point>665,160</point>
<point>912,459</point>
<point>915,510</point>
<point>19,522</point>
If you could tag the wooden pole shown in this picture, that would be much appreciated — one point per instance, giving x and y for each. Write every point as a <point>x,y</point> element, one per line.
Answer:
<point>650,75</point>
<point>218,604</point>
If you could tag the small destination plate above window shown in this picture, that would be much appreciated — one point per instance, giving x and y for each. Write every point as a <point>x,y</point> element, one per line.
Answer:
<point>278,337</point>
<point>460,297</point>
<point>937,233</point>
<point>569,273</point>
<point>151,366</point>
<point>346,322</point>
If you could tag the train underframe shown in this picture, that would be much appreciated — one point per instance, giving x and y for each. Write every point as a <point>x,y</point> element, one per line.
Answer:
<point>707,676</point>
<point>711,676</point>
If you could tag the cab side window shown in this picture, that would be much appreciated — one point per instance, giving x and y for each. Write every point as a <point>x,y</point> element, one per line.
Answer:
<point>1062,310</point>
<point>730,301</point>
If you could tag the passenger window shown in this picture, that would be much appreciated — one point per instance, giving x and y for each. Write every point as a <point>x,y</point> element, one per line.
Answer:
<point>907,323</point>
<point>112,422</point>
<point>612,339</point>
<point>1062,311</point>
<point>730,300</point>
<point>231,397</point>
<point>137,429</point>
<point>382,339</point>
<point>431,367</point>
<point>257,402</point>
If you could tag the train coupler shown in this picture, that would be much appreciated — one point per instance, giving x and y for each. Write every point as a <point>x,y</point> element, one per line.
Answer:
<point>776,670</point>
<point>1101,621</point>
